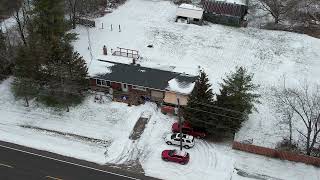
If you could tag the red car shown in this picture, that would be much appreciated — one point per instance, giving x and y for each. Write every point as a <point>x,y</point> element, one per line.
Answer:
<point>187,129</point>
<point>177,156</point>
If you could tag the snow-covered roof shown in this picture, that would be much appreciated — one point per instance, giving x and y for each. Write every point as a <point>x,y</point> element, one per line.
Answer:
<point>180,153</point>
<point>190,6</point>
<point>143,76</point>
<point>180,86</point>
<point>185,136</point>
<point>243,2</point>
<point>99,67</point>
<point>190,11</point>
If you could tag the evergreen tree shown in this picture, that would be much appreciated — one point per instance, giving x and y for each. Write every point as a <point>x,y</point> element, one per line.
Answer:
<point>5,56</point>
<point>2,53</point>
<point>49,21</point>
<point>237,94</point>
<point>195,112</point>
<point>49,58</point>
<point>25,88</point>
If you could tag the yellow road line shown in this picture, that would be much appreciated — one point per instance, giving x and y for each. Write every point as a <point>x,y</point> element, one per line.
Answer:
<point>50,177</point>
<point>5,165</point>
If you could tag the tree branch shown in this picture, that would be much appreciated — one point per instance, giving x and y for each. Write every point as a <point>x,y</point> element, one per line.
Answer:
<point>302,134</point>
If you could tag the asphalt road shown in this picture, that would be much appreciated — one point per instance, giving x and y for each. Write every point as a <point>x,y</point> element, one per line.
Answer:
<point>21,163</point>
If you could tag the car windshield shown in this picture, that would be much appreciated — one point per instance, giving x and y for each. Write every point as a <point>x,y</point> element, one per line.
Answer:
<point>173,136</point>
<point>171,153</point>
<point>183,135</point>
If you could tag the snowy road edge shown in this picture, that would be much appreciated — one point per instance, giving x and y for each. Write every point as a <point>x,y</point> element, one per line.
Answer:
<point>79,165</point>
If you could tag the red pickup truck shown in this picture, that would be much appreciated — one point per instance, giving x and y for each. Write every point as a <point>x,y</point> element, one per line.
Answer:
<point>187,129</point>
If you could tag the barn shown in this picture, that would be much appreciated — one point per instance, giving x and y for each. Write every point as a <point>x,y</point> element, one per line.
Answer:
<point>225,12</point>
<point>191,13</point>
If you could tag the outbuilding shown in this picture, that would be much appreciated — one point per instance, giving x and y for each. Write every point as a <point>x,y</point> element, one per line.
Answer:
<point>191,13</point>
<point>229,12</point>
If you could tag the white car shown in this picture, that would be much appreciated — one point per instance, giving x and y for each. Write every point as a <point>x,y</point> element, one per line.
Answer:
<point>174,139</point>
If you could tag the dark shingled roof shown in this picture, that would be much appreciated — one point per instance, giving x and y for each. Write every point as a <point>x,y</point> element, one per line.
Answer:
<point>143,76</point>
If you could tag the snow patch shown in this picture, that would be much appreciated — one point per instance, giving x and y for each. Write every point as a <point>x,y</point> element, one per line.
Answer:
<point>180,87</point>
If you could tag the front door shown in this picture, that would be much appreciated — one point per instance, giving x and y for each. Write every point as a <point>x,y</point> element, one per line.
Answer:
<point>124,87</point>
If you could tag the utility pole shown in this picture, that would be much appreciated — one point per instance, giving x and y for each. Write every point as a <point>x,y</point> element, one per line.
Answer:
<point>180,124</point>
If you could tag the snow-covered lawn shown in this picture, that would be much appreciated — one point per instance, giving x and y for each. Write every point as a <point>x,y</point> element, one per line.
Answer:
<point>178,47</point>
<point>270,55</point>
<point>114,122</point>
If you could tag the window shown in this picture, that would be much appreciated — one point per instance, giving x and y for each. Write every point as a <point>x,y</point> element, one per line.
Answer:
<point>99,82</point>
<point>183,135</point>
<point>103,83</point>
<point>171,153</point>
<point>139,88</point>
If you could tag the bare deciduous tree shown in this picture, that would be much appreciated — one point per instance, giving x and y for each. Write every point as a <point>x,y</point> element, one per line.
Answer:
<point>21,15</point>
<point>307,11</point>
<point>305,105</point>
<point>278,8</point>
<point>72,10</point>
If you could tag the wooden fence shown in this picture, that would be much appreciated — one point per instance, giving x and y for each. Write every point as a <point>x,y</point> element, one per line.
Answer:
<point>130,53</point>
<point>86,22</point>
<point>284,155</point>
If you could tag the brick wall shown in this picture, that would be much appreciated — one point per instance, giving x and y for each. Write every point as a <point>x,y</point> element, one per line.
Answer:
<point>93,82</point>
<point>284,155</point>
<point>116,86</point>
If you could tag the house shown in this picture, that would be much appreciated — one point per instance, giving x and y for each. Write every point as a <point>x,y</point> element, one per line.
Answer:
<point>191,13</point>
<point>135,84</point>
<point>223,12</point>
